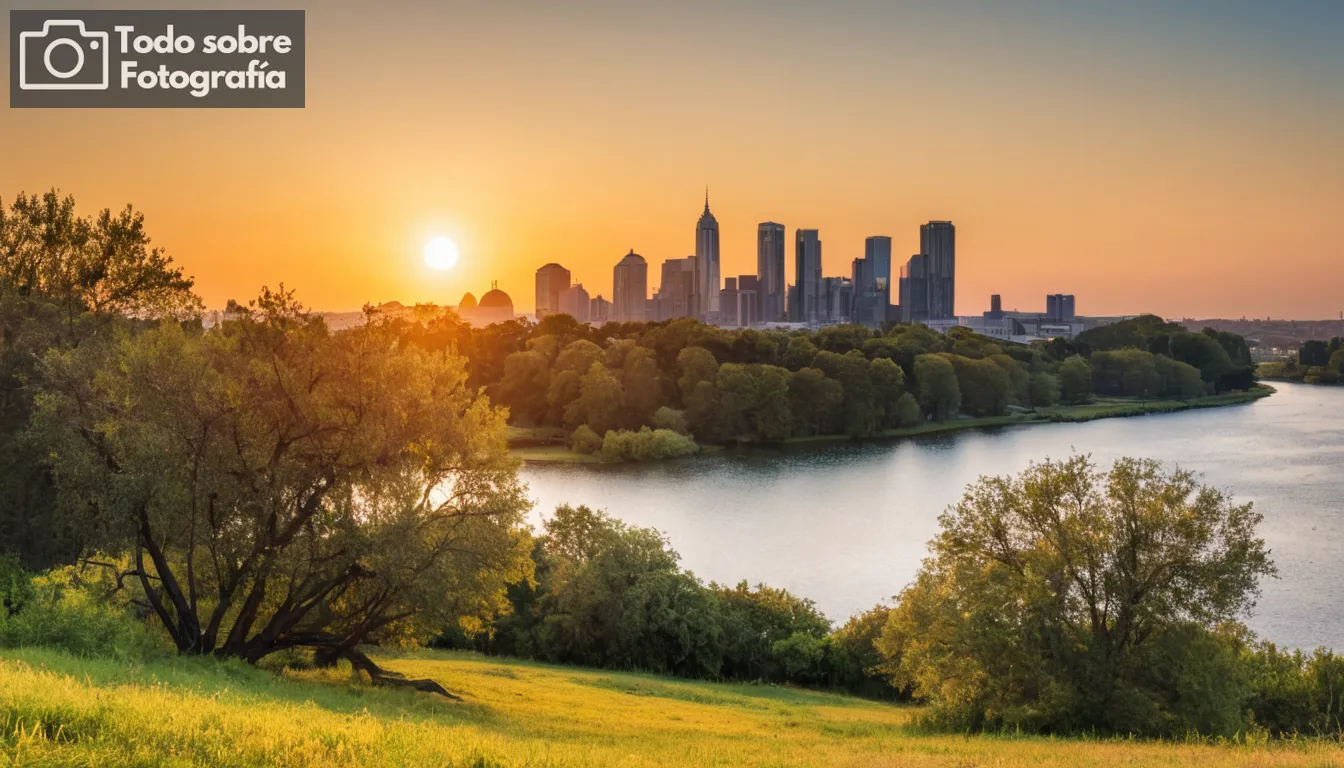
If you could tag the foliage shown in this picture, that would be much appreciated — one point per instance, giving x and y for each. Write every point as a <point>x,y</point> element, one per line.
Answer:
<point>1067,599</point>
<point>646,445</point>
<point>281,486</point>
<point>70,610</point>
<point>1075,380</point>
<point>65,280</point>
<point>1044,390</point>
<point>585,440</point>
<point>939,388</point>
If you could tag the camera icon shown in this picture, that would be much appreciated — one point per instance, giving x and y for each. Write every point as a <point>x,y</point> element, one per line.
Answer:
<point>64,56</point>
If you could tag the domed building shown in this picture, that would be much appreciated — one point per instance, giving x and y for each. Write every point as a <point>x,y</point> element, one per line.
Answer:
<point>494,307</point>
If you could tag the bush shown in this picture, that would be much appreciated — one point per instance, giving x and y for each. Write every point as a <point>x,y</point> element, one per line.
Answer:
<point>79,617</point>
<point>908,413</point>
<point>646,445</point>
<point>585,440</point>
<point>16,586</point>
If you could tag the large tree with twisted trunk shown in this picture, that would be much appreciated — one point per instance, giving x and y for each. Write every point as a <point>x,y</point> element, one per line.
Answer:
<point>278,485</point>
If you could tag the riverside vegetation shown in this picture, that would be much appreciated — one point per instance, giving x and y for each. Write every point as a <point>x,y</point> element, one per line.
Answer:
<point>183,504</point>
<point>1317,362</point>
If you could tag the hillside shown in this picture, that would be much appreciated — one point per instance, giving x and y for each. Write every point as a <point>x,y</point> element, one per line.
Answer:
<point>56,710</point>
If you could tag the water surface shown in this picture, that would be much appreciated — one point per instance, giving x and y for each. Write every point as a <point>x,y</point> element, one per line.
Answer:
<point>848,524</point>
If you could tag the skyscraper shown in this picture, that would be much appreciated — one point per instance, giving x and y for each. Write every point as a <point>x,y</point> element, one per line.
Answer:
<point>770,269</point>
<point>575,302</point>
<point>914,289</point>
<point>676,291</point>
<point>707,261</point>
<point>938,241</point>
<point>552,280</point>
<point>872,282</point>
<point>807,267</point>
<point>1060,307</point>
<point>630,288</point>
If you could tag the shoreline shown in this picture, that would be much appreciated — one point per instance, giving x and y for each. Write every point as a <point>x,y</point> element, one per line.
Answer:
<point>1102,408</point>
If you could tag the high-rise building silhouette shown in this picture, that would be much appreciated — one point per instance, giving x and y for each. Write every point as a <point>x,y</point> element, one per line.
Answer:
<point>552,280</point>
<point>770,269</point>
<point>872,282</point>
<point>1060,307</point>
<point>707,262</point>
<point>630,288</point>
<point>575,302</point>
<point>914,289</point>
<point>807,276</point>
<point>938,241</point>
<point>748,300</point>
<point>676,290</point>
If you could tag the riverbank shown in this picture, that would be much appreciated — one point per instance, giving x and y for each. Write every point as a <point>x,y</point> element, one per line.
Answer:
<point>547,446</point>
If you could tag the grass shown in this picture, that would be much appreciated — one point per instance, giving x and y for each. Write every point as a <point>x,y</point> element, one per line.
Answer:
<point>543,446</point>
<point>57,710</point>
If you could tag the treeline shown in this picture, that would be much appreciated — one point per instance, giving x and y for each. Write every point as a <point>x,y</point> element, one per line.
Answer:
<point>721,386</point>
<point>1317,362</point>
<point>609,595</point>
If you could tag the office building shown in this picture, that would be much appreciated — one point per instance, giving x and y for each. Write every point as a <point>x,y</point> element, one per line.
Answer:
<point>552,280</point>
<point>574,301</point>
<point>938,242</point>
<point>630,289</point>
<point>748,300</point>
<point>807,277</point>
<point>872,282</point>
<point>1060,307</point>
<point>728,303</point>
<point>995,308</point>
<point>770,269</point>
<point>599,310</point>
<point>707,262</point>
<point>914,290</point>
<point>837,300</point>
<point>676,290</point>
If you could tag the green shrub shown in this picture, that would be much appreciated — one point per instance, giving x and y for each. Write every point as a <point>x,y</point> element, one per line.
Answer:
<point>78,617</point>
<point>585,440</point>
<point>16,586</point>
<point>646,445</point>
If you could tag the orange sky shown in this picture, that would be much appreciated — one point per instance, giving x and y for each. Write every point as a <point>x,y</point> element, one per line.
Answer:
<point>1189,163</point>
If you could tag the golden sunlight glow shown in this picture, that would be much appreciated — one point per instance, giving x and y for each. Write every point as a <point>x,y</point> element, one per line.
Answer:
<point>441,253</point>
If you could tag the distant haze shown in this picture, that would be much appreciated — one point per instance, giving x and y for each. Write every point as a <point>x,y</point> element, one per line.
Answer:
<point>1179,158</point>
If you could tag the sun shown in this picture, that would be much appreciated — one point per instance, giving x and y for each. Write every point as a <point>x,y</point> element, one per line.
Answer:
<point>441,253</point>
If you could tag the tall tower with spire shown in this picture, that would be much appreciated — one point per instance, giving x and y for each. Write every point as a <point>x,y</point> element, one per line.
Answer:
<point>707,262</point>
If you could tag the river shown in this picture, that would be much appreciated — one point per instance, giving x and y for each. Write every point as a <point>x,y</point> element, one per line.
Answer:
<point>847,524</point>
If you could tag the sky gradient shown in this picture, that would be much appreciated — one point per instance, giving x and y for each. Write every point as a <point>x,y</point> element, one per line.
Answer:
<point>1179,158</point>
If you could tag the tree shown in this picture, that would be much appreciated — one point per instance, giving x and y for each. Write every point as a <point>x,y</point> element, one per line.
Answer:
<point>1075,380</point>
<point>696,364</point>
<point>600,403</point>
<point>854,372</point>
<point>908,412</point>
<point>800,353</point>
<point>65,281</point>
<point>1313,354</point>
<point>815,402</point>
<point>525,386</point>
<point>1204,353</point>
<point>1044,390</point>
<point>281,486</point>
<point>643,385</point>
<point>1066,598</point>
<point>986,388</point>
<point>570,365</point>
<point>888,386</point>
<point>939,393</point>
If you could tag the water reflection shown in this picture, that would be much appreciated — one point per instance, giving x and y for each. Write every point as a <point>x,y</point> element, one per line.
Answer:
<point>847,524</point>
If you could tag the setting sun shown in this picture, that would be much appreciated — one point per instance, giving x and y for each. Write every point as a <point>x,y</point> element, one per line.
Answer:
<point>441,253</point>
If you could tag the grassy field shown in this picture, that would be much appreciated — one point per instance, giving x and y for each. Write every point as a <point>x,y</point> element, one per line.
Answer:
<point>56,710</point>
<point>525,442</point>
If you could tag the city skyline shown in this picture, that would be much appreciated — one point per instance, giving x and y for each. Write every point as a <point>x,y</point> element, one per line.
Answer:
<point>1150,157</point>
